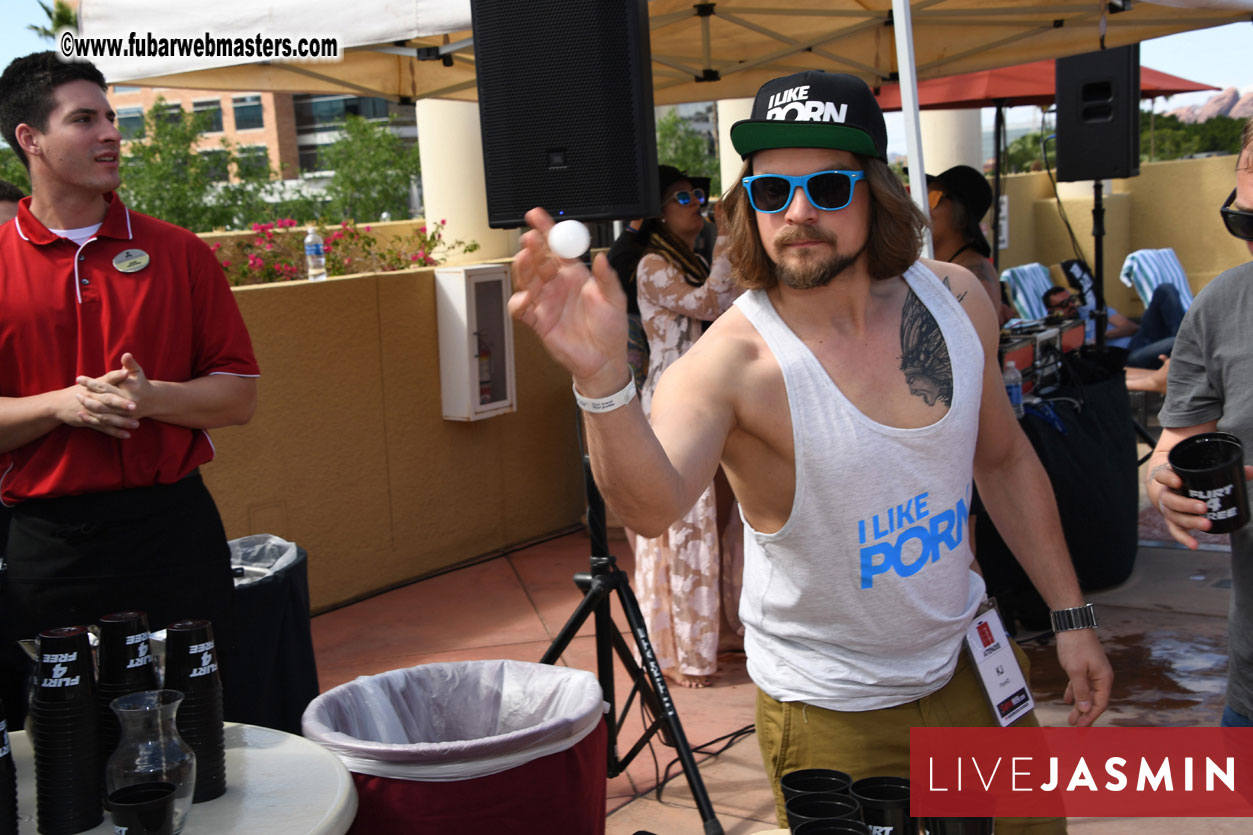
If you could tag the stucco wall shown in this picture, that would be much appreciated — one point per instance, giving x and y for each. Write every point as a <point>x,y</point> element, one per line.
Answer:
<point>349,456</point>
<point>1171,204</point>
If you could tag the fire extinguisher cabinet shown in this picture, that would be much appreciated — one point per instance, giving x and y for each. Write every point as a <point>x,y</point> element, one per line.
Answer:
<point>476,376</point>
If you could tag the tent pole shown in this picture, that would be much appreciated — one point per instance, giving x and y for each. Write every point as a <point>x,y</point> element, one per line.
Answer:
<point>907,72</point>
<point>998,132</point>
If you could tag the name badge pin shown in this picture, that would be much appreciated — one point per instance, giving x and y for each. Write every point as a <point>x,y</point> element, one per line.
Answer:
<point>130,260</point>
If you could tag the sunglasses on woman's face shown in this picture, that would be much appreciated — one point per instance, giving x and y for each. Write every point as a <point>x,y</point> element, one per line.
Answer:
<point>685,198</point>
<point>934,196</point>
<point>829,191</point>
<point>1239,222</point>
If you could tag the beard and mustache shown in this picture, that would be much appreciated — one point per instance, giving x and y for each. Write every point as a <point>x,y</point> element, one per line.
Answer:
<point>805,270</point>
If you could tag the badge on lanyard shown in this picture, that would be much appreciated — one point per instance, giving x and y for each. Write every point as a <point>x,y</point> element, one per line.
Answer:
<point>993,656</point>
<point>131,260</point>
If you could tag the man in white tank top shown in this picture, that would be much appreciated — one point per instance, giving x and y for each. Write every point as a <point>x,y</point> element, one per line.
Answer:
<point>851,396</point>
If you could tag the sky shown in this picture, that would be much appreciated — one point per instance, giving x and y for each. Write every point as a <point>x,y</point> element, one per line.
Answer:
<point>1217,56</point>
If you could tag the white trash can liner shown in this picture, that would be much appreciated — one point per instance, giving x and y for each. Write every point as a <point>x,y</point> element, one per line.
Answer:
<point>455,721</point>
<point>260,555</point>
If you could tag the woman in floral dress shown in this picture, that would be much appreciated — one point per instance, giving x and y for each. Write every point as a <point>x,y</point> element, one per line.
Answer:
<point>684,587</point>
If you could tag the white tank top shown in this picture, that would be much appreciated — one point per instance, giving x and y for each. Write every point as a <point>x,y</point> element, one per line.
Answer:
<point>860,601</point>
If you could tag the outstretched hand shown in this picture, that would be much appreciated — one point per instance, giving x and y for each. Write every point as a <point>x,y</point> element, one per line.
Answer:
<point>579,316</point>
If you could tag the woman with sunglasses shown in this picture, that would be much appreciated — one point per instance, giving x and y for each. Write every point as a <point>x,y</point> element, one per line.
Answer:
<point>685,586</point>
<point>959,198</point>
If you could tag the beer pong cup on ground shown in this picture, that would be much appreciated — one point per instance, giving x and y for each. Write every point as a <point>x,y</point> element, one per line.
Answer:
<point>819,806</point>
<point>810,780</point>
<point>143,809</point>
<point>957,826</point>
<point>846,826</point>
<point>885,804</point>
<point>1211,466</point>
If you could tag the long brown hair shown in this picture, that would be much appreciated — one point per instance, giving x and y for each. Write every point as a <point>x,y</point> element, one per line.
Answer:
<point>894,241</point>
<point>658,238</point>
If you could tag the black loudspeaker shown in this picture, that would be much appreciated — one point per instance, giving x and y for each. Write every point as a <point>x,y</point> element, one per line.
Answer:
<point>566,109</point>
<point>1098,115</point>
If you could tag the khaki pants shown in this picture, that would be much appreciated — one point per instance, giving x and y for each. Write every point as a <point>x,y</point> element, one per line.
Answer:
<point>875,743</point>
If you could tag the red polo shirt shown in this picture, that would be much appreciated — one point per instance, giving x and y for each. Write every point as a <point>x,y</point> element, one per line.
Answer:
<point>66,311</point>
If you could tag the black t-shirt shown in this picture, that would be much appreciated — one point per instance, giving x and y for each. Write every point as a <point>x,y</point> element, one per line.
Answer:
<point>624,256</point>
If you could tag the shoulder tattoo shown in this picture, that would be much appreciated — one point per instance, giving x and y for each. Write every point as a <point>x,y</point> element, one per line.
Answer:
<point>924,355</point>
<point>959,296</point>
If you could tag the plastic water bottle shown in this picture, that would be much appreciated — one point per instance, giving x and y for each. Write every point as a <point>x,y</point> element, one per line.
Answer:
<point>314,257</point>
<point>1013,387</point>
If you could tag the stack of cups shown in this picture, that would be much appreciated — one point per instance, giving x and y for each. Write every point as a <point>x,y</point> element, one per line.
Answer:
<point>65,736</point>
<point>126,667</point>
<point>8,782</point>
<point>885,804</point>
<point>191,667</point>
<point>817,801</point>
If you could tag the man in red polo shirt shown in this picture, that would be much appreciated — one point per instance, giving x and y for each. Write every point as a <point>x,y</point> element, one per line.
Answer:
<point>120,345</point>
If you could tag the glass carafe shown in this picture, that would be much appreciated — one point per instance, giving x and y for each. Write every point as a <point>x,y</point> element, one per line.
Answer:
<point>150,750</point>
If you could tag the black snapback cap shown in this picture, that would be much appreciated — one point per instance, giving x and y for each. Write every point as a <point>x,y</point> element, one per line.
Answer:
<point>969,187</point>
<point>814,109</point>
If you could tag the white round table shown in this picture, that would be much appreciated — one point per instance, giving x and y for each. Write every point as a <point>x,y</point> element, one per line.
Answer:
<point>276,783</point>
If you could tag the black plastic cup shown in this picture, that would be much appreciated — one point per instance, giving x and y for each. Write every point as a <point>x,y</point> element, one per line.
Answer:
<point>65,670</point>
<point>125,655</point>
<point>191,660</point>
<point>1211,466</point>
<point>810,780</point>
<point>818,806</point>
<point>840,826</point>
<point>143,809</point>
<point>885,804</point>
<point>958,826</point>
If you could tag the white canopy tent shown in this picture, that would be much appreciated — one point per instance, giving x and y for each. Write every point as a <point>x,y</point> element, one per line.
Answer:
<point>700,51</point>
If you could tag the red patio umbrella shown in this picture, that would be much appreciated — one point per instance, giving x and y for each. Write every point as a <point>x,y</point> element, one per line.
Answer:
<point>1024,84</point>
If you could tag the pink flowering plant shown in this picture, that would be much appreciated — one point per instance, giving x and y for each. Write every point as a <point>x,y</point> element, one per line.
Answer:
<point>276,251</point>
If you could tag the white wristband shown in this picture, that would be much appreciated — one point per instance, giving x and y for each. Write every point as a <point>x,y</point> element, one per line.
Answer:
<point>600,405</point>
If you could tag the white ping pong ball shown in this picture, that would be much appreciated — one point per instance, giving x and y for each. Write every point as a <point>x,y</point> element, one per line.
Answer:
<point>569,239</point>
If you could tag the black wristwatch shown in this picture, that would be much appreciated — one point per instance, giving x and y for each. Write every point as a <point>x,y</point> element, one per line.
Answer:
<point>1080,617</point>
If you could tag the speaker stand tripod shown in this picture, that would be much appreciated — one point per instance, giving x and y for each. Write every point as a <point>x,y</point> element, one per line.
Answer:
<point>604,580</point>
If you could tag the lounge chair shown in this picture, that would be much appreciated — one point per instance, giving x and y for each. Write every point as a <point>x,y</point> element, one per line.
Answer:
<point>1027,284</point>
<point>1146,269</point>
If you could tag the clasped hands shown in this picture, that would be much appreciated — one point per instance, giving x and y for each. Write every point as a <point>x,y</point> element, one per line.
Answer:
<point>114,402</point>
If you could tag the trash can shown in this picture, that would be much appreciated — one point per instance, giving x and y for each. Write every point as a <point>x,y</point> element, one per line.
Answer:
<point>276,675</point>
<point>473,747</point>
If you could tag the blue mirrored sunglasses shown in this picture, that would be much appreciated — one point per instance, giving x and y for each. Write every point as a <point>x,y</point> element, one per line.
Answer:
<point>829,191</point>
<point>684,198</point>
